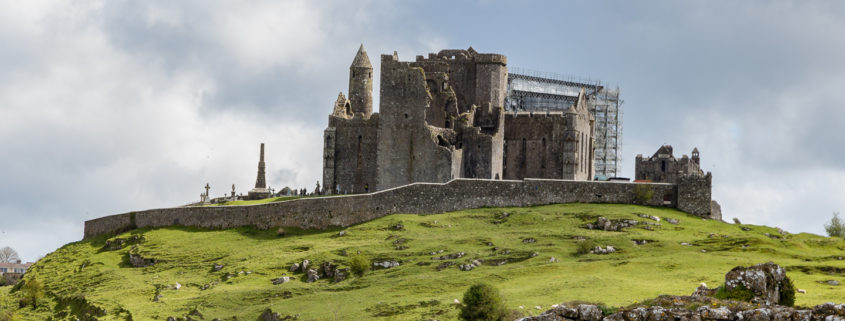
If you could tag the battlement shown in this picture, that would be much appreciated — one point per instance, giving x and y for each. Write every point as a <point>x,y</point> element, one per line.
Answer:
<point>460,55</point>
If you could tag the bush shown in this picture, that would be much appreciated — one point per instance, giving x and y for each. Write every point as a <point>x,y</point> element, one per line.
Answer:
<point>836,227</point>
<point>787,293</point>
<point>33,291</point>
<point>584,247</point>
<point>736,221</point>
<point>359,264</point>
<point>643,193</point>
<point>483,303</point>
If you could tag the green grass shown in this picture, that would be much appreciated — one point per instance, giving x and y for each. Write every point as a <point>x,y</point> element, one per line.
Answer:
<point>416,290</point>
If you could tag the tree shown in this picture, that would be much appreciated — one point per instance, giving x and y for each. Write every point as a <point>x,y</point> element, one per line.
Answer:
<point>483,303</point>
<point>836,227</point>
<point>8,255</point>
<point>33,290</point>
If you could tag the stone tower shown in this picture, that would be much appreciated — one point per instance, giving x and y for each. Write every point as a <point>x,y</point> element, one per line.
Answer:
<point>260,191</point>
<point>260,181</point>
<point>361,83</point>
<point>695,157</point>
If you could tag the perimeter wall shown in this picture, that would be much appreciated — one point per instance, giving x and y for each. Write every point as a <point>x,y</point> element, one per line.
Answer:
<point>417,198</point>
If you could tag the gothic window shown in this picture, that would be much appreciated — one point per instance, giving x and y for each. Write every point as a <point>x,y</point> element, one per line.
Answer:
<point>663,166</point>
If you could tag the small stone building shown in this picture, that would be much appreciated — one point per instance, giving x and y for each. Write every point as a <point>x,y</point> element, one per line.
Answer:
<point>442,117</point>
<point>663,167</point>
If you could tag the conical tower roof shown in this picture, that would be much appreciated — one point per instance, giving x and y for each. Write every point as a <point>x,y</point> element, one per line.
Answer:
<point>361,59</point>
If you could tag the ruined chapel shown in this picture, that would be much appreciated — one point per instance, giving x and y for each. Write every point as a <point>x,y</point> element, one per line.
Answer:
<point>442,117</point>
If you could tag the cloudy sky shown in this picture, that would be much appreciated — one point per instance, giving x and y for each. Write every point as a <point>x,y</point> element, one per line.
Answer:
<point>112,106</point>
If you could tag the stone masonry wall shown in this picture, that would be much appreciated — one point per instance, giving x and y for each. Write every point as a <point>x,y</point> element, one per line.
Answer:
<point>417,198</point>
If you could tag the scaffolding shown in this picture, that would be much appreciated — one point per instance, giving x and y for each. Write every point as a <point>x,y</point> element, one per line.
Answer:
<point>542,91</point>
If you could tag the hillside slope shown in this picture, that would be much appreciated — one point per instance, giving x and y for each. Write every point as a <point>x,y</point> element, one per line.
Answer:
<point>85,276</point>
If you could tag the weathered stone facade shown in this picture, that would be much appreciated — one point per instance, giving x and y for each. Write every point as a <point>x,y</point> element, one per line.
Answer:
<point>441,117</point>
<point>417,198</point>
<point>665,168</point>
<point>694,186</point>
<point>556,145</point>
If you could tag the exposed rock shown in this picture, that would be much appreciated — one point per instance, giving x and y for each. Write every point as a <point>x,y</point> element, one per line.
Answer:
<point>606,250</point>
<point>341,233</point>
<point>398,227</point>
<point>340,274</point>
<point>764,280</point>
<point>685,244</point>
<point>672,221</point>
<point>137,260</point>
<point>552,260</point>
<point>529,240</point>
<point>436,252</point>
<point>534,254</point>
<point>304,266</point>
<point>177,286</point>
<point>745,228</point>
<point>281,280</point>
<point>450,256</point>
<point>119,243</point>
<point>605,224</point>
<point>327,269</point>
<point>386,264</point>
<point>269,315</point>
<point>294,267</point>
<point>313,276</point>
<point>445,265</point>
<point>829,282</point>
<point>671,308</point>
<point>217,267</point>
<point>703,291</point>
<point>651,217</point>
<point>640,242</point>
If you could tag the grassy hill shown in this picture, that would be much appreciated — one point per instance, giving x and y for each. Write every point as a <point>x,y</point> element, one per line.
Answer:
<point>83,275</point>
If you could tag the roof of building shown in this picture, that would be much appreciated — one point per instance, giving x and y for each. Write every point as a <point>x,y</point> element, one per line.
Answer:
<point>15,265</point>
<point>361,58</point>
<point>664,150</point>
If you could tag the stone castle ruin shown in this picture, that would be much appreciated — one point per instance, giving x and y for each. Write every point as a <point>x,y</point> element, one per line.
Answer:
<point>442,118</point>
<point>443,141</point>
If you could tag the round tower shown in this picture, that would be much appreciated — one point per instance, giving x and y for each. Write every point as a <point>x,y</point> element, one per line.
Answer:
<point>361,83</point>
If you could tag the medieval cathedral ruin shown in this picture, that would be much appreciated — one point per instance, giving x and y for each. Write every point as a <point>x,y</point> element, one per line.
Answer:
<point>443,117</point>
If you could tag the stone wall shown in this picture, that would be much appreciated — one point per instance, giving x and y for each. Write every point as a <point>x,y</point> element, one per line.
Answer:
<point>349,164</point>
<point>417,198</point>
<point>694,194</point>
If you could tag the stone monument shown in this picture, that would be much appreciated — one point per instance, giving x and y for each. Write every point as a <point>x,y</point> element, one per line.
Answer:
<point>260,191</point>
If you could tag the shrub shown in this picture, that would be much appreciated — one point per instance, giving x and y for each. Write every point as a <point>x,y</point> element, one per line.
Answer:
<point>359,264</point>
<point>738,293</point>
<point>33,291</point>
<point>736,221</point>
<point>584,247</point>
<point>787,293</point>
<point>643,193</point>
<point>483,303</point>
<point>836,227</point>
